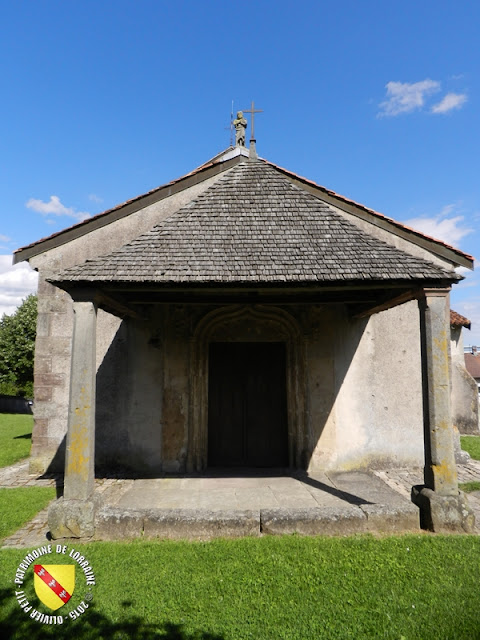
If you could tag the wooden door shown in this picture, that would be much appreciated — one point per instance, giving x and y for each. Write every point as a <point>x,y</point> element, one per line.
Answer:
<point>247,407</point>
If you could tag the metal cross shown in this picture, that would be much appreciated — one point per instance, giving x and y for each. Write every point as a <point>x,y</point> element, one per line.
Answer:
<point>253,111</point>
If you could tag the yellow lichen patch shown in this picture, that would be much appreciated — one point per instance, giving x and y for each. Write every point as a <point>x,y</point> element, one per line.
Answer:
<point>445,475</point>
<point>77,461</point>
<point>440,350</point>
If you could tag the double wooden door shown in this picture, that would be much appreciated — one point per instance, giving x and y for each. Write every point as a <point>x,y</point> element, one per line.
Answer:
<point>247,405</point>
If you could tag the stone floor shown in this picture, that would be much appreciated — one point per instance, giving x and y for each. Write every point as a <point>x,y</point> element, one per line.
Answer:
<point>344,502</point>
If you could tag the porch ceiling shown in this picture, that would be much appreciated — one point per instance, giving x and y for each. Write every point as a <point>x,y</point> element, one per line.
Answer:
<point>360,299</point>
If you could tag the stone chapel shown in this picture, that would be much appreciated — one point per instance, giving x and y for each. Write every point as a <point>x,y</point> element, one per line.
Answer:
<point>242,316</point>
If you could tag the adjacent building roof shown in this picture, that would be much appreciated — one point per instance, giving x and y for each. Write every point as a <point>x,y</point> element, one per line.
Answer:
<point>472,365</point>
<point>255,225</point>
<point>457,320</point>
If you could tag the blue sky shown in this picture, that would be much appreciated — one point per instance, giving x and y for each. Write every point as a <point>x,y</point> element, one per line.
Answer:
<point>102,101</point>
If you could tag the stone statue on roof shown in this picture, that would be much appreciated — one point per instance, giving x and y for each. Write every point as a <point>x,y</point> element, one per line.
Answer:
<point>240,125</point>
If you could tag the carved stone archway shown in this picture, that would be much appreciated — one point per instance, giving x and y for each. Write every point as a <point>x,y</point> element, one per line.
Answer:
<point>246,323</point>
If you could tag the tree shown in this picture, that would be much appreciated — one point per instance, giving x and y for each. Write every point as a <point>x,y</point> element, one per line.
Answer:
<point>17,349</point>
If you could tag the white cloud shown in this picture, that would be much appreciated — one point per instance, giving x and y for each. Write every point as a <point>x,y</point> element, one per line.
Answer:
<point>449,102</point>
<point>56,208</point>
<point>94,198</point>
<point>404,97</point>
<point>16,283</point>
<point>464,271</point>
<point>441,226</point>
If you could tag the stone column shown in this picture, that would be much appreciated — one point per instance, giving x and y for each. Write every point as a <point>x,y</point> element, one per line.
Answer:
<point>73,515</point>
<point>442,506</point>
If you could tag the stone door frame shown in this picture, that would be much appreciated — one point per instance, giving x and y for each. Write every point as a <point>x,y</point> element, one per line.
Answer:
<point>246,323</point>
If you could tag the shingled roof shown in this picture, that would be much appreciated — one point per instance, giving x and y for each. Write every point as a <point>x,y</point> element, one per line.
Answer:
<point>254,226</point>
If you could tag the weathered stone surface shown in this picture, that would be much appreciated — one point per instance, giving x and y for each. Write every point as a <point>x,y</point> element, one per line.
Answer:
<point>461,456</point>
<point>391,518</point>
<point>464,388</point>
<point>43,394</point>
<point>200,524</point>
<point>80,457</point>
<point>117,524</point>
<point>443,514</point>
<point>440,468</point>
<point>71,519</point>
<point>50,379</point>
<point>315,521</point>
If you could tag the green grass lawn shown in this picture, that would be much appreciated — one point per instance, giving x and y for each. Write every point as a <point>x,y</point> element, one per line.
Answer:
<point>15,437</point>
<point>472,445</point>
<point>291,587</point>
<point>18,506</point>
<point>468,487</point>
<point>415,586</point>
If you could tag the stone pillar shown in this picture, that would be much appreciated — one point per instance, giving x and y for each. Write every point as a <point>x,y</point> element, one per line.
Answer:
<point>442,506</point>
<point>73,515</point>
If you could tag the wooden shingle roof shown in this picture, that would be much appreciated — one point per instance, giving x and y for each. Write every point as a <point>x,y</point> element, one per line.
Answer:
<point>255,226</point>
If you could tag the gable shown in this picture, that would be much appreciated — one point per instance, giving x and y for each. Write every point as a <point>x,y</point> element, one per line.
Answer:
<point>254,225</point>
<point>116,227</point>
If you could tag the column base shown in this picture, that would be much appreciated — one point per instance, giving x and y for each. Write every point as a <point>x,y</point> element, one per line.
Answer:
<point>443,514</point>
<point>71,519</point>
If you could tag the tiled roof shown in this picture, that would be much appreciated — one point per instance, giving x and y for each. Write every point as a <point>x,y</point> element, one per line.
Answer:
<point>254,225</point>
<point>472,365</point>
<point>457,320</point>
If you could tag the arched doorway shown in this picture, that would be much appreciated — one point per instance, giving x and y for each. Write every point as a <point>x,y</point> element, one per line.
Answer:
<point>247,363</point>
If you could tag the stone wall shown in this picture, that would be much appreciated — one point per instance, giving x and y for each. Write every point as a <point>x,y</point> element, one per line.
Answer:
<point>464,389</point>
<point>359,403</point>
<point>378,405</point>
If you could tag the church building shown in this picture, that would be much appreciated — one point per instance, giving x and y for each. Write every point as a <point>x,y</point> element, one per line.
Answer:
<point>242,317</point>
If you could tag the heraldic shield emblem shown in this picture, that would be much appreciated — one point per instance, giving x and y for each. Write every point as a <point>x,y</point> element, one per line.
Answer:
<point>54,584</point>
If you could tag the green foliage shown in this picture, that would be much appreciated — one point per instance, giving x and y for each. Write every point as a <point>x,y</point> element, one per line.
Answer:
<point>15,437</point>
<point>19,505</point>
<point>471,444</point>
<point>17,349</point>
<point>290,588</point>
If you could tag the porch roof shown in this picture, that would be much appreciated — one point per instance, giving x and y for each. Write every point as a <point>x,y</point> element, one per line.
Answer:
<point>254,226</point>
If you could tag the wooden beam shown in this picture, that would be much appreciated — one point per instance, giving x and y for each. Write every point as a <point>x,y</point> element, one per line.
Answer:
<point>413,294</point>
<point>117,307</point>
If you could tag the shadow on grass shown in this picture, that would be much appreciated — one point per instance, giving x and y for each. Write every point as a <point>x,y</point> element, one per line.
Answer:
<point>26,436</point>
<point>91,625</point>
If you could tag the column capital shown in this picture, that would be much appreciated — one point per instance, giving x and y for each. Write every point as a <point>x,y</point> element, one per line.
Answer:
<point>435,292</point>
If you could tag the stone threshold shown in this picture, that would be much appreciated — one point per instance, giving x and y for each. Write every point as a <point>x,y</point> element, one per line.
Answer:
<point>113,523</point>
